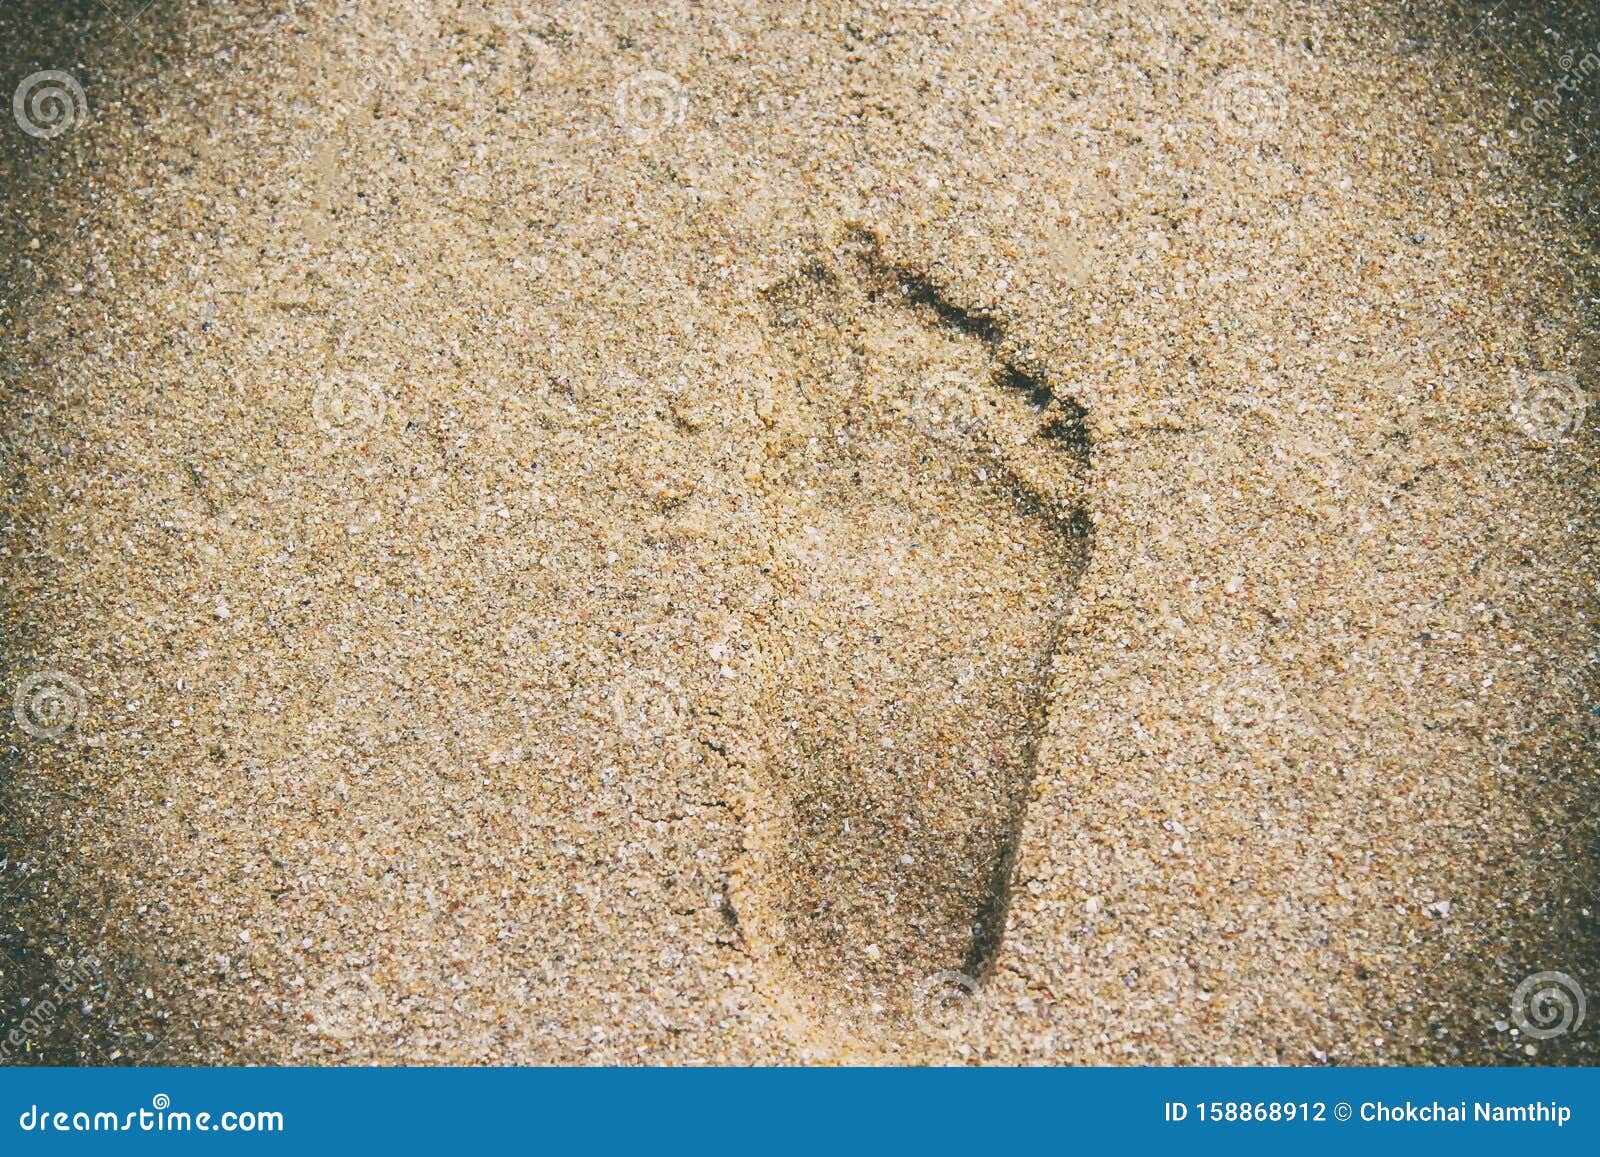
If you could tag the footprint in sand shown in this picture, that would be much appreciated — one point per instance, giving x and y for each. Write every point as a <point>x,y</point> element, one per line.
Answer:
<point>930,532</point>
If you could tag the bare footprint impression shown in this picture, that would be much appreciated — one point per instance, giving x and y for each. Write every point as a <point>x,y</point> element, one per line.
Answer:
<point>930,531</point>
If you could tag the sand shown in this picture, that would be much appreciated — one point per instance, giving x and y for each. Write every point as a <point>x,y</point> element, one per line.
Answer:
<point>881,533</point>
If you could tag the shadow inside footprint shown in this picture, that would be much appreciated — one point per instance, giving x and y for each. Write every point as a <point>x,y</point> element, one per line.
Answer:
<point>932,529</point>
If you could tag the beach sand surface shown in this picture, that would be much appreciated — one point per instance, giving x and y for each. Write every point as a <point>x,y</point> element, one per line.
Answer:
<point>754,533</point>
